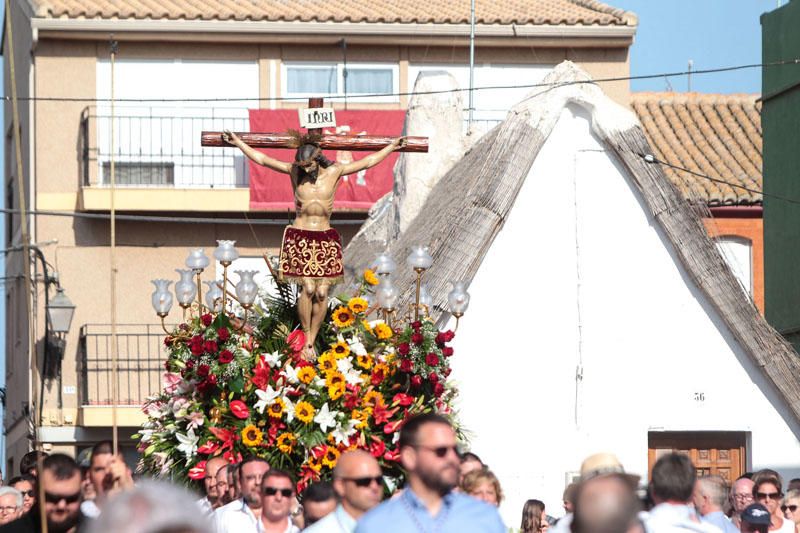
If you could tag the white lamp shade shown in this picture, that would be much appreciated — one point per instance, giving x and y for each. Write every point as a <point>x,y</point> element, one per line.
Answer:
<point>214,295</point>
<point>60,311</point>
<point>225,252</point>
<point>197,259</point>
<point>185,289</point>
<point>246,289</point>
<point>425,297</point>
<point>419,258</point>
<point>458,298</point>
<point>388,295</point>
<point>161,297</point>
<point>384,264</point>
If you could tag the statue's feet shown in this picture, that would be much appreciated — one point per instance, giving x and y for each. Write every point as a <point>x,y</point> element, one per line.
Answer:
<point>309,353</point>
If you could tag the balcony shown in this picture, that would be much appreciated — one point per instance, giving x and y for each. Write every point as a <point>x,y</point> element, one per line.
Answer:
<point>159,163</point>
<point>140,365</point>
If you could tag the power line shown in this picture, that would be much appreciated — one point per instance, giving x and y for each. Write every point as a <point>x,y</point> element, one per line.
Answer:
<point>795,61</point>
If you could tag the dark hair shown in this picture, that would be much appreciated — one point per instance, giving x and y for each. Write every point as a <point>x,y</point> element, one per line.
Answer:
<point>310,152</point>
<point>321,491</point>
<point>794,484</point>
<point>28,461</point>
<point>101,448</point>
<point>532,516</point>
<point>767,476</point>
<point>247,460</point>
<point>24,477</point>
<point>277,472</point>
<point>62,466</point>
<point>469,456</point>
<point>408,433</point>
<point>673,478</point>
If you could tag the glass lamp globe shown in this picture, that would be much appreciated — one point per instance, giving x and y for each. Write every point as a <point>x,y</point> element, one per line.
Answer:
<point>185,289</point>
<point>197,260</point>
<point>419,258</point>
<point>225,253</point>
<point>246,289</point>
<point>384,264</point>
<point>161,297</point>
<point>388,295</point>
<point>425,297</point>
<point>214,296</point>
<point>458,299</point>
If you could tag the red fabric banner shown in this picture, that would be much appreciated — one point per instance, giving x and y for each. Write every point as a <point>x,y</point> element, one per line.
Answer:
<point>272,191</point>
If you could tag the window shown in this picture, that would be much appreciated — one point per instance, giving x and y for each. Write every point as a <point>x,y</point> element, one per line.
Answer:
<point>304,79</point>
<point>738,253</point>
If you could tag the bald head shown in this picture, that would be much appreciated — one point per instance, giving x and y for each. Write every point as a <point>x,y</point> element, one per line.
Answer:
<point>605,504</point>
<point>210,481</point>
<point>741,494</point>
<point>357,479</point>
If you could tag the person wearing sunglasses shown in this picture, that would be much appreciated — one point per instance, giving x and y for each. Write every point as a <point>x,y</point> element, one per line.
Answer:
<point>26,484</point>
<point>790,508</point>
<point>767,486</point>
<point>61,481</point>
<point>10,504</point>
<point>429,455</point>
<point>277,499</point>
<point>358,481</point>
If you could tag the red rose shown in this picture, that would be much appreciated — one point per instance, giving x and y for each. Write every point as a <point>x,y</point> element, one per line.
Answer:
<point>417,338</point>
<point>438,389</point>
<point>197,349</point>
<point>403,348</point>
<point>402,399</point>
<point>433,378</point>
<point>189,364</point>
<point>211,380</point>
<point>223,334</point>
<point>167,340</point>
<point>296,340</point>
<point>210,347</point>
<point>406,365</point>
<point>198,471</point>
<point>416,381</point>
<point>206,319</point>
<point>377,377</point>
<point>448,335</point>
<point>447,351</point>
<point>203,370</point>
<point>225,356</point>
<point>239,409</point>
<point>447,371</point>
<point>416,325</point>
<point>432,359</point>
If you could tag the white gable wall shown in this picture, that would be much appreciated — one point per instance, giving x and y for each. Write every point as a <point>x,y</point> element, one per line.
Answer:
<point>649,342</point>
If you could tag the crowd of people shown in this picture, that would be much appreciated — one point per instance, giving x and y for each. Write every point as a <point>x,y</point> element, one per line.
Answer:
<point>445,491</point>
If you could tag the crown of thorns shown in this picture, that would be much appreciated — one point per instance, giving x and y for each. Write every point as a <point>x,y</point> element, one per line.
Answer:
<point>300,139</point>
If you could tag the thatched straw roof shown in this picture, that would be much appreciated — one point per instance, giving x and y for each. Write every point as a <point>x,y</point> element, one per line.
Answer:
<point>470,204</point>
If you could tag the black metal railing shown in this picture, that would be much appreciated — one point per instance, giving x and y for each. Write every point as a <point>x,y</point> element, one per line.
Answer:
<point>160,147</point>
<point>140,363</point>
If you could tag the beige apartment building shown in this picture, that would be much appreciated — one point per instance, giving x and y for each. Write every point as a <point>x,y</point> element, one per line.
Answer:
<point>170,56</point>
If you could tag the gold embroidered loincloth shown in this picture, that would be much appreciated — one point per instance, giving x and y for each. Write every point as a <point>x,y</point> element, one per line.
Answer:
<point>307,254</point>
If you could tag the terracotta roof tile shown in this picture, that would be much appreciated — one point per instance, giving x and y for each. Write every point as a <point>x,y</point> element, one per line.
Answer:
<point>713,134</point>
<point>544,12</point>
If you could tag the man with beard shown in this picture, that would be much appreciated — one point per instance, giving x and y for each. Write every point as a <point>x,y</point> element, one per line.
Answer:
<point>429,455</point>
<point>242,515</point>
<point>61,478</point>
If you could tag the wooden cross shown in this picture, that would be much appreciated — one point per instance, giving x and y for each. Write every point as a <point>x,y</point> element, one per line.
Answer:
<point>351,143</point>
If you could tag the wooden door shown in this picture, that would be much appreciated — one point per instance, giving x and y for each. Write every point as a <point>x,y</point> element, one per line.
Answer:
<point>719,453</point>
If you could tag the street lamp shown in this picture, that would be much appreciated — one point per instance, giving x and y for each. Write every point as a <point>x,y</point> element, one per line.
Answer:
<point>60,311</point>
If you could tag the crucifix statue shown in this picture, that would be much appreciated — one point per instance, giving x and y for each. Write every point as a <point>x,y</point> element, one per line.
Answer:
<point>311,250</point>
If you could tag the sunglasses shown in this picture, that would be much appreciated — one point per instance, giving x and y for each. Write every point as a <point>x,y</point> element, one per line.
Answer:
<point>28,493</point>
<point>56,498</point>
<point>365,481</point>
<point>440,451</point>
<point>272,491</point>
<point>768,495</point>
<point>792,508</point>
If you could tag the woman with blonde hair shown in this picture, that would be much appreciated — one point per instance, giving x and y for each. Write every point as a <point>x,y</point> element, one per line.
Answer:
<point>483,485</point>
<point>790,509</point>
<point>533,518</point>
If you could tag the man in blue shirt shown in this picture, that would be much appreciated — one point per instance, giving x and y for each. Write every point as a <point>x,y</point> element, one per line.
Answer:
<point>428,504</point>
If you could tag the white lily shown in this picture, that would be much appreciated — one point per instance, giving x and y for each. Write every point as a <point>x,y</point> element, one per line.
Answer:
<point>326,418</point>
<point>356,346</point>
<point>265,398</point>
<point>188,443</point>
<point>291,374</point>
<point>273,359</point>
<point>289,409</point>
<point>342,433</point>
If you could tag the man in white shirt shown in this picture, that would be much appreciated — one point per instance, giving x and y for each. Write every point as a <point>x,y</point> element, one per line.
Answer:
<point>358,481</point>
<point>210,501</point>
<point>242,515</point>
<point>709,496</point>
<point>277,498</point>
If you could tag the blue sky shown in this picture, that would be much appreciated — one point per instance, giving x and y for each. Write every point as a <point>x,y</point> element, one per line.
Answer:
<point>712,33</point>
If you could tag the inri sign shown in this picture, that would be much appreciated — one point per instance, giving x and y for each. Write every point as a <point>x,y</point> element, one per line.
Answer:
<point>317,117</point>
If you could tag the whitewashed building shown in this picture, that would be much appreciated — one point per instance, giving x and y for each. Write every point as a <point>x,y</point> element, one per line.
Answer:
<point>603,318</point>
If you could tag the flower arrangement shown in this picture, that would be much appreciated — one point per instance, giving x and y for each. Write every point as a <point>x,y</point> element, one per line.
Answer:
<point>232,391</point>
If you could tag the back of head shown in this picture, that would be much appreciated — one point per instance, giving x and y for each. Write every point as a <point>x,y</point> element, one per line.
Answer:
<point>605,504</point>
<point>532,516</point>
<point>715,488</point>
<point>409,431</point>
<point>152,507</point>
<point>320,491</point>
<point>29,460</point>
<point>61,466</point>
<point>673,478</point>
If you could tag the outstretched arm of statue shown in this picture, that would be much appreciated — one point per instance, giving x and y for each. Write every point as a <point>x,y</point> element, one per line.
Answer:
<point>374,158</point>
<point>258,157</point>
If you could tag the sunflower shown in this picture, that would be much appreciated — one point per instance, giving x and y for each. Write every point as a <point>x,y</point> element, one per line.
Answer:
<point>370,277</point>
<point>340,349</point>
<point>357,305</point>
<point>343,317</point>
<point>286,442</point>
<point>381,369</point>
<point>252,436</point>
<point>330,457</point>
<point>276,408</point>
<point>362,416</point>
<point>366,326</point>
<point>306,374</point>
<point>334,378</point>
<point>383,331</point>
<point>335,391</point>
<point>364,361</point>
<point>372,398</point>
<point>304,412</point>
<point>315,464</point>
<point>326,362</point>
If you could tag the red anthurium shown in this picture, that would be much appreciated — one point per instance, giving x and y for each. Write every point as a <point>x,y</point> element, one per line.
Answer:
<point>393,427</point>
<point>392,455</point>
<point>198,471</point>
<point>239,409</point>
<point>402,399</point>
<point>377,447</point>
<point>208,448</point>
<point>296,340</point>
<point>231,457</point>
